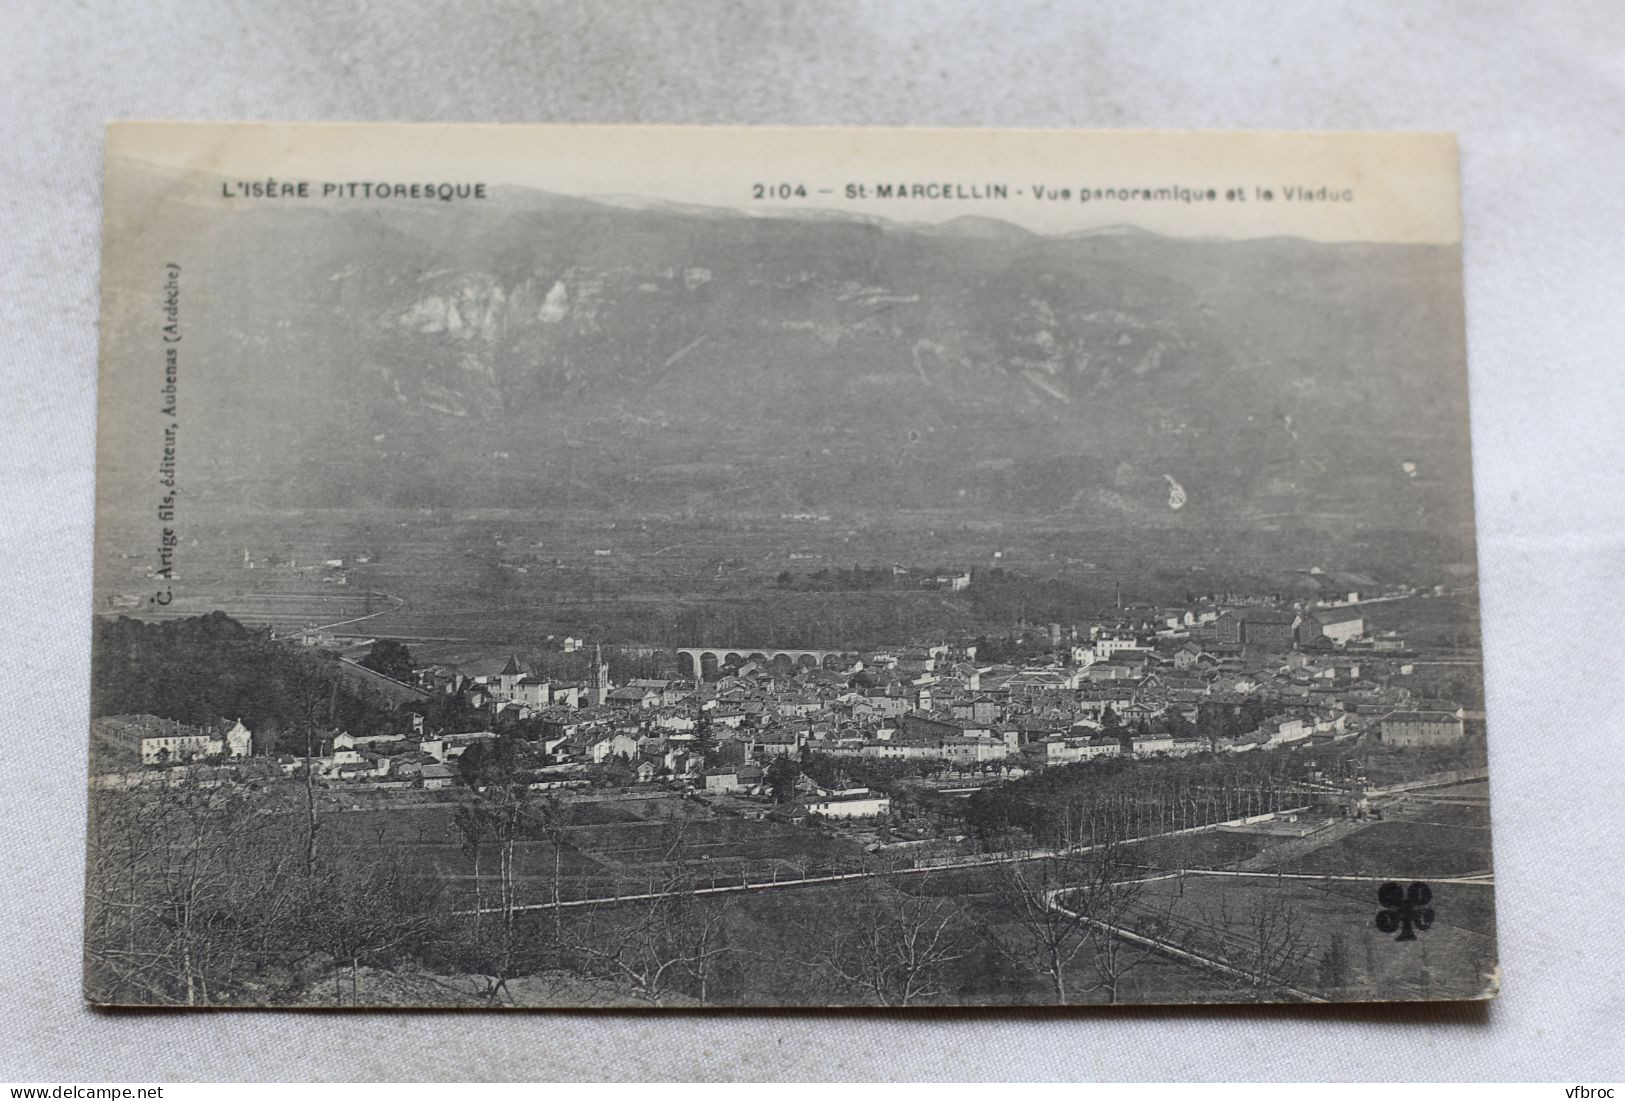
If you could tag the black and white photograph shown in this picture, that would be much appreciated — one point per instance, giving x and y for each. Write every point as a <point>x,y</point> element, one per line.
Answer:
<point>683,568</point>
<point>881,545</point>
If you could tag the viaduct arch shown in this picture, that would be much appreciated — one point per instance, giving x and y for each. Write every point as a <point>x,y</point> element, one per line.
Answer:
<point>695,655</point>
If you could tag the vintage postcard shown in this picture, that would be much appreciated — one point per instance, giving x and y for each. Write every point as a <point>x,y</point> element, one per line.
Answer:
<point>629,566</point>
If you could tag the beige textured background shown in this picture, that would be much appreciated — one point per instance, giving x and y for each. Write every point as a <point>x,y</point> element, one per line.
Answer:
<point>1537,93</point>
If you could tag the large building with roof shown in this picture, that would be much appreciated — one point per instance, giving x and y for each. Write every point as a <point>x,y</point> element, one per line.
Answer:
<point>1405,728</point>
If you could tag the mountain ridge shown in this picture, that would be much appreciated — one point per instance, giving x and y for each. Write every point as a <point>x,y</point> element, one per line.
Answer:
<point>479,354</point>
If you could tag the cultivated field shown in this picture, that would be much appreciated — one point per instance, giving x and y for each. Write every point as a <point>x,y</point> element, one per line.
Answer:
<point>1418,840</point>
<point>514,577</point>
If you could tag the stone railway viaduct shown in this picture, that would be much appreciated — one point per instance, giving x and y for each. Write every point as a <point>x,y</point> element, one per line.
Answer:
<point>695,655</point>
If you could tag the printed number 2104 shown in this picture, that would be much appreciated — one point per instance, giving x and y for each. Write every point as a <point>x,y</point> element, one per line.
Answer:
<point>778,191</point>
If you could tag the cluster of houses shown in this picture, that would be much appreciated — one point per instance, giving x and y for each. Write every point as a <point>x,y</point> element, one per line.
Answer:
<point>1168,682</point>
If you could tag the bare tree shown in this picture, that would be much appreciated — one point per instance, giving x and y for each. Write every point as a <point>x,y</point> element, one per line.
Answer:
<point>473,826</point>
<point>1094,898</point>
<point>366,916</point>
<point>502,814</point>
<point>664,940</point>
<point>177,882</point>
<point>1335,971</point>
<point>893,946</point>
<point>1265,943</point>
<point>268,911</point>
<point>1111,900</point>
<point>1046,936</point>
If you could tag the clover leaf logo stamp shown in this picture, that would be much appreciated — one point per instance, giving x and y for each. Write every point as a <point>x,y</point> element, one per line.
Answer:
<point>1405,909</point>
